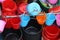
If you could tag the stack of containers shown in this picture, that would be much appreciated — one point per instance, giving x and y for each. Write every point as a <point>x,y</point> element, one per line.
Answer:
<point>9,9</point>
<point>50,33</point>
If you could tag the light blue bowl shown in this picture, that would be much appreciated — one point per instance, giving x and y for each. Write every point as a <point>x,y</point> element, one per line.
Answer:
<point>33,9</point>
<point>24,20</point>
<point>50,19</point>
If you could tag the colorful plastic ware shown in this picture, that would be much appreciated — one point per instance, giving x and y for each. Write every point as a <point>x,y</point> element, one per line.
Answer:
<point>15,22</point>
<point>52,31</point>
<point>33,9</point>
<point>22,8</point>
<point>1,1</point>
<point>58,19</point>
<point>50,18</point>
<point>2,25</point>
<point>9,6</point>
<point>41,18</point>
<point>52,1</point>
<point>24,20</point>
<point>55,9</point>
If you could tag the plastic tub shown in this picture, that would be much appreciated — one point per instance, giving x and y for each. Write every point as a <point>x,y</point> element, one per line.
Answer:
<point>15,22</point>
<point>43,5</point>
<point>10,34</point>
<point>52,31</point>
<point>58,19</point>
<point>22,8</point>
<point>55,9</point>
<point>8,24</point>
<point>33,9</point>
<point>39,18</point>
<point>9,6</point>
<point>2,25</point>
<point>45,37</point>
<point>24,20</point>
<point>32,31</point>
<point>50,18</point>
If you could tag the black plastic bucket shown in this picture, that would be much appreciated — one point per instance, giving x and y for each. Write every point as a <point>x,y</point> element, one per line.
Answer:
<point>33,31</point>
<point>10,34</point>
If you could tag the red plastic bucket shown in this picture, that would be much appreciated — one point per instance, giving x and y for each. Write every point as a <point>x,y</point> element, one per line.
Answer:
<point>9,6</point>
<point>4,14</point>
<point>15,23</point>
<point>22,8</point>
<point>52,31</point>
<point>45,37</point>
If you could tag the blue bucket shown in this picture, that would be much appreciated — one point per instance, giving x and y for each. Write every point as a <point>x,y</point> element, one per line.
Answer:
<point>24,20</point>
<point>50,19</point>
<point>33,9</point>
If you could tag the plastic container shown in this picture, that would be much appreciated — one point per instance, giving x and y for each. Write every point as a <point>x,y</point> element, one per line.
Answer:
<point>2,25</point>
<point>32,31</point>
<point>9,6</point>
<point>8,24</point>
<point>52,2</point>
<point>20,1</point>
<point>52,31</point>
<point>58,19</point>
<point>43,5</point>
<point>50,19</point>
<point>55,9</point>
<point>39,18</point>
<point>24,20</point>
<point>10,34</point>
<point>15,22</point>
<point>46,37</point>
<point>22,8</point>
<point>33,10</point>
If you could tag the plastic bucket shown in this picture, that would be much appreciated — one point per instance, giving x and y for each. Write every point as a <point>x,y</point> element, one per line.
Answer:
<point>58,19</point>
<point>43,5</point>
<point>33,10</point>
<point>15,22</point>
<point>46,37</point>
<point>50,18</point>
<point>52,2</point>
<point>39,18</point>
<point>10,34</point>
<point>24,20</point>
<point>22,8</point>
<point>8,24</point>
<point>2,25</point>
<point>32,31</point>
<point>9,6</point>
<point>55,9</point>
<point>52,31</point>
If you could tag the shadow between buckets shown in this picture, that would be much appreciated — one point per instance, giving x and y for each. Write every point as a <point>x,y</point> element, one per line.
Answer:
<point>10,34</point>
<point>35,34</point>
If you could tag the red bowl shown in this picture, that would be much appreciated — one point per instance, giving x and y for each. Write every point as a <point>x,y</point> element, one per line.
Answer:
<point>22,8</point>
<point>15,23</point>
<point>9,6</point>
<point>52,31</point>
